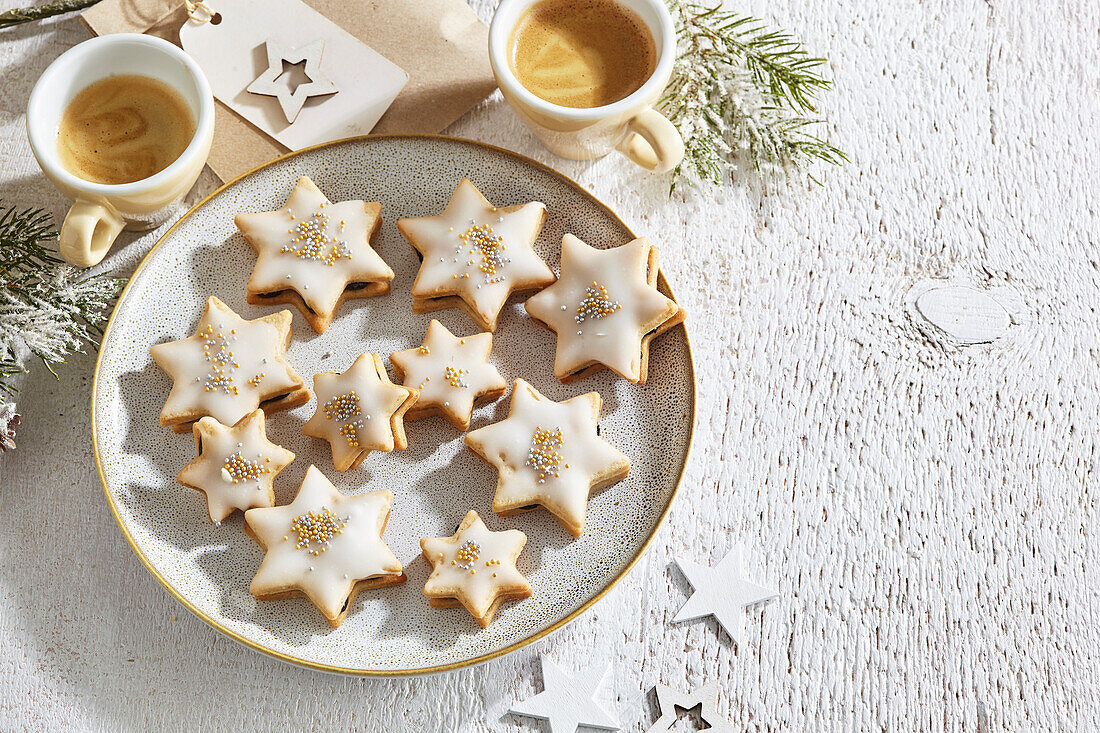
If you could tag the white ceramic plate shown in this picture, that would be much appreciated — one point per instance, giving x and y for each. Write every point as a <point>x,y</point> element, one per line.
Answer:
<point>391,631</point>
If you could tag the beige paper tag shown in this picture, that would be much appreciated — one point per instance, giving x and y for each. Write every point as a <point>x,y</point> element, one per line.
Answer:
<point>233,53</point>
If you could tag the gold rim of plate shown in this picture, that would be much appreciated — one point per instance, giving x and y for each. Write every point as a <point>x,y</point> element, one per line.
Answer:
<point>384,672</point>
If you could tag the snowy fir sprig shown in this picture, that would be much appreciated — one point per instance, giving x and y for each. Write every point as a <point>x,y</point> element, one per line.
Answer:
<point>743,98</point>
<point>48,309</point>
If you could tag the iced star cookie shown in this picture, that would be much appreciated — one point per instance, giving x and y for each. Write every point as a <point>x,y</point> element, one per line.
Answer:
<point>228,368</point>
<point>550,454</point>
<point>235,466</point>
<point>475,568</point>
<point>474,255</point>
<point>315,254</point>
<point>359,411</point>
<point>451,374</point>
<point>605,308</point>
<point>323,545</point>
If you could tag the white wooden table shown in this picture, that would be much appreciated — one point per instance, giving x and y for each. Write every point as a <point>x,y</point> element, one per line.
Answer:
<point>928,509</point>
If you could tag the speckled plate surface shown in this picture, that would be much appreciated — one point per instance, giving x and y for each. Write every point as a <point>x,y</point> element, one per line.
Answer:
<point>391,631</point>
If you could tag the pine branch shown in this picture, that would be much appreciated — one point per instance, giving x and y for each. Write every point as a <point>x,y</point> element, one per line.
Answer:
<point>741,93</point>
<point>48,309</point>
<point>16,16</point>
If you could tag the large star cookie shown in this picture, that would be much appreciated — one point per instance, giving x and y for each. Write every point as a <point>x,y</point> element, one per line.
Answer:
<point>474,255</point>
<point>605,308</point>
<point>235,466</point>
<point>451,374</point>
<point>323,545</point>
<point>315,254</point>
<point>228,368</point>
<point>550,454</point>
<point>359,411</point>
<point>476,568</point>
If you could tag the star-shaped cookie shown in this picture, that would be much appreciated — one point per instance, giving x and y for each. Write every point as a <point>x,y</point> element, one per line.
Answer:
<point>474,255</point>
<point>475,567</point>
<point>550,454</point>
<point>359,411</point>
<point>605,308</point>
<point>315,254</point>
<point>323,545</point>
<point>235,466</point>
<point>451,374</point>
<point>228,368</point>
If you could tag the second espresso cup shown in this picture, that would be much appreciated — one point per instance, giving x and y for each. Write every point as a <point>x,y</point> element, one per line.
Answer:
<point>100,210</point>
<point>629,125</point>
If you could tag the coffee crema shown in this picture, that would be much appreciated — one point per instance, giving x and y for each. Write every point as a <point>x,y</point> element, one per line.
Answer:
<point>582,53</point>
<point>123,129</point>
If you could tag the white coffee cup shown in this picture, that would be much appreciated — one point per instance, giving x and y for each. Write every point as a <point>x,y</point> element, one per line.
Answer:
<point>100,211</point>
<point>630,125</point>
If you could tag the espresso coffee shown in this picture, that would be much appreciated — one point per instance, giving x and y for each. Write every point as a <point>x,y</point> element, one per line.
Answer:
<point>582,53</point>
<point>123,129</point>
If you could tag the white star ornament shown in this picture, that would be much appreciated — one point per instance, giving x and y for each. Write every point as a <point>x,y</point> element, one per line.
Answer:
<point>567,701</point>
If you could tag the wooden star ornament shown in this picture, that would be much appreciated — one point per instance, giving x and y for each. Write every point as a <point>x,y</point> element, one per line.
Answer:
<point>474,255</point>
<point>721,591</point>
<point>475,568</point>
<point>549,454</point>
<point>236,466</point>
<point>705,697</point>
<point>450,373</point>
<point>605,309</point>
<point>315,254</point>
<point>291,102</point>
<point>228,368</point>
<point>359,411</point>
<point>568,701</point>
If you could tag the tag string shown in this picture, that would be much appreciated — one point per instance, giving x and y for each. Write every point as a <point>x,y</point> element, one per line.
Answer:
<point>199,11</point>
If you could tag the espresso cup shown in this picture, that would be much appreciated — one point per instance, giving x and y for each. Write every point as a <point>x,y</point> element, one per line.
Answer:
<point>630,125</point>
<point>100,211</point>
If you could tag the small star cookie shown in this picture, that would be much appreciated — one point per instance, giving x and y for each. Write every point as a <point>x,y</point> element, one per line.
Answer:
<point>323,545</point>
<point>605,308</point>
<point>359,411</point>
<point>235,466</point>
<point>228,368</point>
<point>451,374</point>
<point>476,568</point>
<point>474,255</point>
<point>550,454</point>
<point>315,254</point>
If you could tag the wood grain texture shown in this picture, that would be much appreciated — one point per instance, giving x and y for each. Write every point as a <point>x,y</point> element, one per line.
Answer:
<point>928,512</point>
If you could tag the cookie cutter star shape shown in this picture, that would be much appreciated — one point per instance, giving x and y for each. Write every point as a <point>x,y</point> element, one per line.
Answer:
<point>721,591</point>
<point>605,308</point>
<point>323,545</point>
<point>359,411</point>
<point>566,701</point>
<point>475,255</point>
<point>475,568</point>
<point>549,454</point>
<point>292,102</point>
<point>451,374</point>
<point>315,254</point>
<point>228,368</point>
<point>235,466</point>
<point>705,697</point>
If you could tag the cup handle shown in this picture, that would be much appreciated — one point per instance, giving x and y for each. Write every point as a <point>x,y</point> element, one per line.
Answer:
<point>88,232</point>
<point>653,142</point>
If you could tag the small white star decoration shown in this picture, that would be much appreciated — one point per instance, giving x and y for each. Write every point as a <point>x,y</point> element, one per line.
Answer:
<point>566,701</point>
<point>707,699</point>
<point>721,591</point>
<point>292,102</point>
